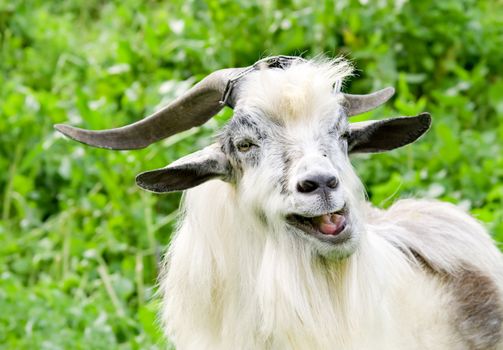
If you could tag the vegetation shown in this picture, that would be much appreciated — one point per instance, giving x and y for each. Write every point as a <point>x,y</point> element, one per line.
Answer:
<point>80,244</point>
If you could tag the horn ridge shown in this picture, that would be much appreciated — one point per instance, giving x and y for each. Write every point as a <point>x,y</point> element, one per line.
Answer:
<point>193,108</point>
<point>358,104</point>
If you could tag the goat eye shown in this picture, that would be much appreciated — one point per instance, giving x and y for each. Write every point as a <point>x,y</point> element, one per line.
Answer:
<point>244,146</point>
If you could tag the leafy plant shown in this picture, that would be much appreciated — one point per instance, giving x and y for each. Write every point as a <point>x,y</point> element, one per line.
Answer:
<point>81,244</point>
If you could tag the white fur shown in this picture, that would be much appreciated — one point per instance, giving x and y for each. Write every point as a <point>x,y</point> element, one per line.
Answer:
<point>233,281</point>
<point>231,286</point>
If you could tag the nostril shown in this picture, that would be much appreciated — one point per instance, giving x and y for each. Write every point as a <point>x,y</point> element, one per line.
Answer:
<point>317,182</point>
<point>307,186</point>
<point>332,182</point>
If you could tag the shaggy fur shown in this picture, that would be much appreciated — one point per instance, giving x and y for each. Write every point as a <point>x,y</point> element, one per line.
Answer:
<point>420,275</point>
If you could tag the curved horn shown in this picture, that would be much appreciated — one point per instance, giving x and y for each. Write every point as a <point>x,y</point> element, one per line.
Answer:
<point>193,108</point>
<point>357,104</point>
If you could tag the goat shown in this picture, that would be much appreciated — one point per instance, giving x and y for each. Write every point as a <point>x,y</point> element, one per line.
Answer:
<point>277,247</point>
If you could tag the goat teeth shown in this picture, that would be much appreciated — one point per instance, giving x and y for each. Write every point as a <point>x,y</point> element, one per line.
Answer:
<point>330,224</point>
<point>324,224</point>
<point>338,219</point>
<point>327,219</point>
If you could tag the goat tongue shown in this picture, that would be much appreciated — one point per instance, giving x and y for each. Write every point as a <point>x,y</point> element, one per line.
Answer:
<point>330,224</point>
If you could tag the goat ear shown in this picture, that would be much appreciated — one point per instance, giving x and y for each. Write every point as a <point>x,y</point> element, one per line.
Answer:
<point>187,172</point>
<point>384,135</point>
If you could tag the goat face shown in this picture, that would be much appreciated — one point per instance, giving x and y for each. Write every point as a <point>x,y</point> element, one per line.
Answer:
<point>294,175</point>
<point>286,150</point>
<point>287,147</point>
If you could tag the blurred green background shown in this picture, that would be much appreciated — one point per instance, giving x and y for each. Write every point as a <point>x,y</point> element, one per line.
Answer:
<point>80,244</point>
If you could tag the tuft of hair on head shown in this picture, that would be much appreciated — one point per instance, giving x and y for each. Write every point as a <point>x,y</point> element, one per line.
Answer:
<point>335,69</point>
<point>294,92</point>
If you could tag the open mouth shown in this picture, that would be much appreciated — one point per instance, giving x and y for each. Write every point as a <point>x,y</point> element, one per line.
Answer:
<point>328,226</point>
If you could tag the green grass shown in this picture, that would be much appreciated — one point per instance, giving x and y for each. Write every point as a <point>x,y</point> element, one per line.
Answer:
<point>80,244</point>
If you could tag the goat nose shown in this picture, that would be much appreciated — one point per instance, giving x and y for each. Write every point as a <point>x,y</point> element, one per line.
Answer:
<point>312,183</point>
